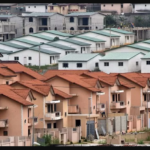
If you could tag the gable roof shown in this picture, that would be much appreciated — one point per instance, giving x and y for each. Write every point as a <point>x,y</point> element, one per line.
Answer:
<point>27,41</point>
<point>9,92</point>
<point>60,46</point>
<point>62,94</point>
<point>58,33</point>
<point>104,33</point>
<point>5,51</point>
<point>38,35</point>
<point>81,14</point>
<point>78,57</point>
<point>89,38</point>
<point>7,73</point>
<point>22,92</point>
<point>76,42</point>
<point>125,83</point>
<point>120,56</point>
<point>39,14</point>
<point>147,41</point>
<point>119,31</point>
<point>147,56</point>
<point>139,47</point>
<point>51,73</point>
<point>13,45</point>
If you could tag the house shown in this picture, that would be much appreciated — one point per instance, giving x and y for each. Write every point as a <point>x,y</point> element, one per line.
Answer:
<point>38,21</point>
<point>140,7</point>
<point>130,48</point>
<point>84,92</point>
<point>145,43</point>
<point>126,37</point>
<point>96,43</point>
<point>81,47</point>
<point>84,21</point>
<point>35,7</point>
<point>14,118</point>
<point>118,8</point>
<point>31,56</point>
<point>79,62</point>
<point>121,62</point>
<point>66,8</point>
<point>145,62</point>
<point>112,40</point>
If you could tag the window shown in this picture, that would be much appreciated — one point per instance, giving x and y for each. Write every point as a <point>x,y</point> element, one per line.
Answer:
<point>72,28</point>
<point>118,97</point>
<point>120,63</point>
<point>29,64</point>
<point>63,8</point>
<point>51,7</point>
<point>30,58</point>
<point>79,65</point>
<point>7,82</point>
<point>54,107</point>
<point>30,30</point>
<point>35,119</point>
<point>113,97</point>
<point>28,6</point>
<point>137,63</point>
<point>144,97</point>
<point>96,64</point>
<point>93,107</point>
<point>16,31</point>
<point>145,5</point>
<point>106,63</point>
<point>82,7</point>
<point>49,125</point>
<point>6,36</point>
<point>5,133</point>
<point>104,5</point>
<point>29,132</point>
<point>66,53</point>
<point>65,114</point>
<point>54,125</point>
<point>127,37</point>
<point>65,65</point>
<point>30,19</point>
<point>71,19</point>
<point>16,58</point>
<point>34,6</point>
<point>78,123</point>
<point>45,7</point>
<point>111,4</point>
<point>148,62</point>
<point>55,28</point>
<point>121,5</point>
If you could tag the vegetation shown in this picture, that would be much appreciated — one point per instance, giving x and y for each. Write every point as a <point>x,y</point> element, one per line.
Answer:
<point>110,21</point>
<point>148,138</point>
<point>140,142</point>
<point>102,142</point>
<point>85,140</point>
<point>91,138</point>
<point>129,140</point>
<point>71,142</point>
<point>37,67</point>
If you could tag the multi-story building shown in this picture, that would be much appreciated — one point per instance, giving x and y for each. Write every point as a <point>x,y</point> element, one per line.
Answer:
<point>140,7</point>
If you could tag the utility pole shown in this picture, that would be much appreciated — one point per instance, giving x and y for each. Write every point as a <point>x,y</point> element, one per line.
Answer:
<point>39,54</point>
<point>110,38</point>
<point>33,128</point>
<point>89,113</point>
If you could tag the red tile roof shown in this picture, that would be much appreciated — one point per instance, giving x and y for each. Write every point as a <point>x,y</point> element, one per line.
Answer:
<point>9,92</point>
<point>22,92</point>
<point>18,68</point>
<point>79,81</point>
<point>126,84</point>
<point>36,85</point>
<point>7,73</point>
<point>62,94</point>
<point>51,73</point>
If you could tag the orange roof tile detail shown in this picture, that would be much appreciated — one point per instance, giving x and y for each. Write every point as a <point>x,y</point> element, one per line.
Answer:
<point>127,84</point>
<point>61,93</point>
<point>16,67</point>
<point>8,91</point>
<point>7,73</point>
<point>51,73</point>
<point>22,92</point>
<point>79,81</point>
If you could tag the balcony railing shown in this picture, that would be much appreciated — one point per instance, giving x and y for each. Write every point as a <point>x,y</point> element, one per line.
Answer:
<point>3,123</point>
<point>146,104</point>
<point>30,121</point>
<point>53,116</point>
<point>117,105</point>
<point>100,107</point>
<point>73,109</point>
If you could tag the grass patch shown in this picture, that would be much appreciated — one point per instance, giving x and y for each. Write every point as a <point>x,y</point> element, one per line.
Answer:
<point>129,140</point>
<point>140,142</point>
<point>37,67</point>
<point>102,142</point>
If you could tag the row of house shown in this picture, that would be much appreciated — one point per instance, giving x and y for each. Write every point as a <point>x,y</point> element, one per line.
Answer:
<point>116,102</point>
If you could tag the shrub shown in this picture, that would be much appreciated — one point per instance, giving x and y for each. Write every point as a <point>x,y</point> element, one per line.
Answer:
<point>140,142</point>
<point>102,142</point>
<point>82,137</point>
<point>48,139</point>
<point>55,141</point>
<point>79,141</point>
<point>85,140</point>
<point>91,137</point>
<point>71,143</point>
<point>148,138</point>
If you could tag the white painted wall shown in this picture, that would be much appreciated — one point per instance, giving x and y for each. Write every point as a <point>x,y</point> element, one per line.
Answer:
<point>143,44</point>
<point>35,39</point>
<point>5,57</point>
<point>38,8</point>
<point>53,35</point>
<point>141,6</point>
<point>90,65</point>
<point>105,38</point>
<point>4,47</point>
<point>144,67</point>
<point>45,58</point>
<point>113,67</point>
<point>21,43</point>
<point>127,49</point>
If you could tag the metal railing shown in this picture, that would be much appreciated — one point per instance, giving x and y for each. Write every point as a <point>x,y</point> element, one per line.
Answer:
<point>53,115</point>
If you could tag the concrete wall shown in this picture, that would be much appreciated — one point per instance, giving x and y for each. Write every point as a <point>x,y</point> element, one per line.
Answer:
<point>144,67</point>
<point>71,24</point>
<point>36,8</point>
<point>141,7</point>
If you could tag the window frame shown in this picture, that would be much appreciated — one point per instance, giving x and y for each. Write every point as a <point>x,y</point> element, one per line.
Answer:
<point>49,126</point>
<point>71,19</point>
<point>16,57</point>
<point>96,65</point>
<point>120,63</point>
<point>147,62</point>
<point>65,64</point>
<point>5,132</point>
<point>137,63</point>
<point>30,58</point>
<point>30,19</point>
<point>106,63</point>
<point>79,65</point>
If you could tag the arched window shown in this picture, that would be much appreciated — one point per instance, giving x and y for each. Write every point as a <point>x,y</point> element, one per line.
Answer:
<point>30,30</point>
<point>55,28</point>
<point>71,19</point>
<point>96,28</point>
<point>30,19</point>
<point>71,28</point>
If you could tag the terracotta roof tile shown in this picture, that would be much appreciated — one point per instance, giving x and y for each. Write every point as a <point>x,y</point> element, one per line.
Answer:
<point>8,91</point>
<point>7,73</point>
<point>17,67</point>
<point>127,84</point>
<point>61,93</point>
<point>51,73</point>
<point>22,92</point>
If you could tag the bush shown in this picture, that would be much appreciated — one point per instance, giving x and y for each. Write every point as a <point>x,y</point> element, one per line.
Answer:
<point>79,141</point>
<point>140,142</point>
<point>148,138</point>
<point>82,137</point>
<point>48,139</point>
<point>91,137</point>
<point>71,143</point>
<point>55,141</point>
<point>85,140</point>
<point>102,142</point>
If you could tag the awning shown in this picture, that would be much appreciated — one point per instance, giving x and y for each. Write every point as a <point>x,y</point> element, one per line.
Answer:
<point>100,93</point>
<point>119,91</point>
<point>52,102</point>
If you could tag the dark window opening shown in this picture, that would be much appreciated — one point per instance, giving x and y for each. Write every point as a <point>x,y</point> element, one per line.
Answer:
<point>121,5</point>
<point>6,36</point>
<point>71,28</point>
<point>65,65</point>
<point>45,7</point>
<point>55,28</point>
<point>113,97</point>
<point>111,4</point>
<point>34,6</point>
<point>144,97</point>
<point>55,125</point>
<point>137,63</point>
<point>71,19</point>
<point>78,123</point>
<point>120,63</point>
<point>54,107</point>
<point>5,133</point>
<point>118,97</point>
<point>30,58</point>
<point>7,82</point>
<point>96,64</point>
<point>30,19</point>
<point>65,114</point>
<point>85,21</point>
<point>148,62</point>
<point>29,132</point>
<point>30,64</point>
<point>30,30</point>
<point>16,58</point>
<point>79,65</point>
<point>104,5</point>
<point>63,8</point>
<point>106,63</point>
<point>49,125</point>
<point>44,21</point>
<point>51,7</point>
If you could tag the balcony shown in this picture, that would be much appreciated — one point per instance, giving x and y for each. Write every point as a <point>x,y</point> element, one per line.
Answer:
<point>118,105</point>
<point>3,108</point>
<point>3,123</point>
<point>53,102</point>
<point>100,107</point>
<point>53,116</point>
<point>30,121</point>
<point>73,109</point>
<point>129,118</point>
<point>146,104</point>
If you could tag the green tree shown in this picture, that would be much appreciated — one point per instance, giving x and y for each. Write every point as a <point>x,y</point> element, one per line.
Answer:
<point>110,21</point>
